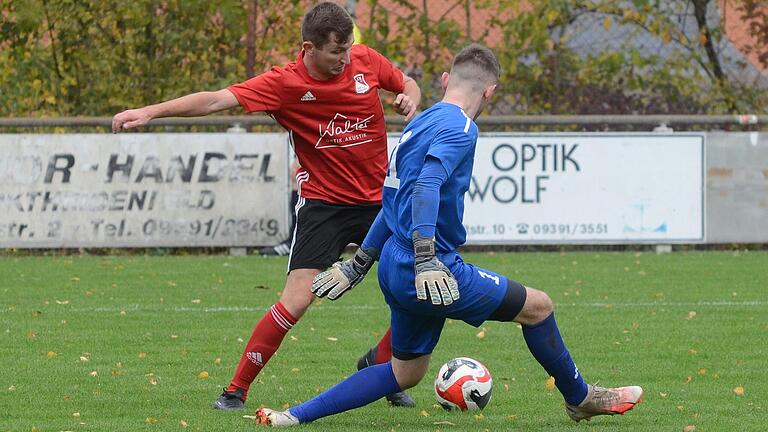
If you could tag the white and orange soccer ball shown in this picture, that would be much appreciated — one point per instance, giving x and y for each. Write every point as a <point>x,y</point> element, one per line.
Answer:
<point>463,383</point>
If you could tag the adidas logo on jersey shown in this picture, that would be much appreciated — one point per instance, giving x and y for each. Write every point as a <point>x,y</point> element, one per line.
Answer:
<point>308,96</point>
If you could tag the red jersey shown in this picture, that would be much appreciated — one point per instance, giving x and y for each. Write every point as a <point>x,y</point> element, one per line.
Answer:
<point>336,126</point>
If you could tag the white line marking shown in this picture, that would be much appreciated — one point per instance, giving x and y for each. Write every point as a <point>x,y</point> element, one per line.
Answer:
<point>383,306</point>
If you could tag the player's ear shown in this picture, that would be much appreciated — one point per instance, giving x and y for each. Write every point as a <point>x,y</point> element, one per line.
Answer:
<point>489,91</point>
<point>444,80</point>
<point>308,47</point>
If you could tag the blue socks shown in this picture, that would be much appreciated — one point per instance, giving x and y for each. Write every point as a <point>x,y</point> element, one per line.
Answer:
<point>374,382</point>
<point>365,386</point>
<point>546,345</point>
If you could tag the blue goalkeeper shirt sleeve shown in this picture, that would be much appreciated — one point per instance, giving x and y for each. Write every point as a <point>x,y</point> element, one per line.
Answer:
<point>377,235</point>
<point>426,197</point>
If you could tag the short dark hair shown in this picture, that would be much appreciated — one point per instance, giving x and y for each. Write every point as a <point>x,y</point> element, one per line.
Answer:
<point>476,64</point>
<point>326,19</point>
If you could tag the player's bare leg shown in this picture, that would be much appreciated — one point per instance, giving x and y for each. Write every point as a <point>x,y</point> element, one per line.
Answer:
<point>381,353</point>
<point>297,296</point>
<point>267,336</point>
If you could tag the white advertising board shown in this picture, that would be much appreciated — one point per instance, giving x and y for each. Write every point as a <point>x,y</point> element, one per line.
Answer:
<point>586,188</point>
<point>143,190</point>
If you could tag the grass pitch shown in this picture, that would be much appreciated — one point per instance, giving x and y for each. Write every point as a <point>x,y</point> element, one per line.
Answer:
<point>146,343</point>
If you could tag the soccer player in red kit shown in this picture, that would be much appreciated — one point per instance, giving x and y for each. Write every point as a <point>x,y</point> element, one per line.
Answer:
<point>328,101</point>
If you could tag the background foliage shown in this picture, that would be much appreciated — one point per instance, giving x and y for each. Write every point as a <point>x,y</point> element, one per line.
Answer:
<point>96,57</point>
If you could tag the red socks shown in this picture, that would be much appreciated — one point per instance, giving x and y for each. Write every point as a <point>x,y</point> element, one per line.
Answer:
<point>384,348</point>
<point>265,340</point>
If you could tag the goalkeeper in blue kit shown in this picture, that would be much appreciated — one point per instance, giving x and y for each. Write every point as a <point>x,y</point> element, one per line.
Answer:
<point>415,237</point>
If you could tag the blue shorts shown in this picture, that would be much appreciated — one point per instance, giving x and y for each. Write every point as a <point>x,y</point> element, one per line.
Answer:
<point>417,324</point>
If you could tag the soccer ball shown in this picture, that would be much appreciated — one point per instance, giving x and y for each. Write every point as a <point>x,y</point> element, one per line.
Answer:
<point>463,383</point>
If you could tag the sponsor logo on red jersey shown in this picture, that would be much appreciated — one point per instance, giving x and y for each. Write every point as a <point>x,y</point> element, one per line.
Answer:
<point>343,131</point>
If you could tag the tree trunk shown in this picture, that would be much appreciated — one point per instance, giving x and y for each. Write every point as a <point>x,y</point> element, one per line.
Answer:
<point>250,38</point>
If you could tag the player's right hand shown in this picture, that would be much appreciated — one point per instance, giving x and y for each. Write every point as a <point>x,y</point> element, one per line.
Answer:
<point>130,119</point>
<point>343,276</point>
<point>435,280</point>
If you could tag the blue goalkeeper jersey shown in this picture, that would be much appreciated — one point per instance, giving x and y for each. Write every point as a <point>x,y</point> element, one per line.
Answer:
<point>445,132</point>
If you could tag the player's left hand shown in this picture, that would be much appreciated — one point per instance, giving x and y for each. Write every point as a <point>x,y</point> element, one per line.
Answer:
<point>404,105</point>
<point>343,276</point>
<point>335,281</point>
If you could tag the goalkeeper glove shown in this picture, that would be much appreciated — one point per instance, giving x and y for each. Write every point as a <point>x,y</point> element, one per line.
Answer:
<point>432,276</point>
<point>343,276</point>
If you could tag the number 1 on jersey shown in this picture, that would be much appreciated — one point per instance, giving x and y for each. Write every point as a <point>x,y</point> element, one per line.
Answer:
<point>391,180</point>
<point>488,276</point>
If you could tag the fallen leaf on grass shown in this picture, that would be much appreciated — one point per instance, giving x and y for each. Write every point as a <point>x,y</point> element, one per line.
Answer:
<point>151,420</point>
<point>424,413</point>
<point>142,354</point>
<point>691,315</point>
<point>12,388</point>
<point>94,374</point>
<point>702,371</point>
<point>51,354</point>
<point>62,302</point>
<point>217,361</point>
<point>689,379</point>
<point>294,370</point>
<point>550,383</point>
<point>75,414</point>
<point>481,334</point>
<point>196,301</point>
<point>739,390</point>
<point>479,417</point>
<point>332,339</point>
<point>183,424</point>
<point>446,423</point>
<point>689,428</point>
<point>663,394</point>
<point>203,374</point>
